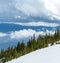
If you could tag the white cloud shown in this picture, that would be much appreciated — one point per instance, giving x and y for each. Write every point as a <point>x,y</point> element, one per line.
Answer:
<point>30,7</point>
<point>40,23</point>
<point>56,17</point>
<point>28,33</point>
<point>20,35</point>
<point>50,6</point>
<point>3,34</point>
<point>53,6</point>
<point>18,17</point>
<point>38,7</point>
<point>35,8</point>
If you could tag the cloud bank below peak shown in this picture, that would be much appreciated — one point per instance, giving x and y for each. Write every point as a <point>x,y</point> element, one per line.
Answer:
<point>21,35</point>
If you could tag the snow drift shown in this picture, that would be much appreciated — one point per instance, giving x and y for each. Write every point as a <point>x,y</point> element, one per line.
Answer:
<point>46,55</point>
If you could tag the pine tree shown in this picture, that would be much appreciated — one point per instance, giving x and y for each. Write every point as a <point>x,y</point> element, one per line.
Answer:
<point>18,48</point>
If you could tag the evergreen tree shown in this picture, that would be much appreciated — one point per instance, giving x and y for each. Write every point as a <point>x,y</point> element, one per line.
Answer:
<point>33,44</point>
<point>18,48</point>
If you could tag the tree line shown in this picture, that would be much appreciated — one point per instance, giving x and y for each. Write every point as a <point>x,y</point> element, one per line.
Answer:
<point>32,45</point>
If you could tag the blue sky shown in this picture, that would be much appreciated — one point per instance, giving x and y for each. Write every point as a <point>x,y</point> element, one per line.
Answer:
<point>31,13</point>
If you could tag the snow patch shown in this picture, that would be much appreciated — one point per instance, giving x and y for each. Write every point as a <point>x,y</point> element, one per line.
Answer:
<point>47,55</point>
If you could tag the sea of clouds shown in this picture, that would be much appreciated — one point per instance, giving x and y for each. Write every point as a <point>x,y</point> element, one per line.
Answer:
<point>21,35</point>
<point>29,8</point>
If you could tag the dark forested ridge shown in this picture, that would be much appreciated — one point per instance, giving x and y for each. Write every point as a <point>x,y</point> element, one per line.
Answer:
<point>32,45</point>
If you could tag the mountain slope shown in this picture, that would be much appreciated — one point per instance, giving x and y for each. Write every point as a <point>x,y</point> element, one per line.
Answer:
<point>46,55</point>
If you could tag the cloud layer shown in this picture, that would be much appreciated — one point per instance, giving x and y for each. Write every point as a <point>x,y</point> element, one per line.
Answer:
<point>30,8</point>
<point>20,35</point>
<point>28,33</point>
<point>38,7</point>
<point>2,34</point>
<point>40,23</point>
<point>53,6</point>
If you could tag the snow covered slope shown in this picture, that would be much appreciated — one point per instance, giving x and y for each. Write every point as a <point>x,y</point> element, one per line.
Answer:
<point>46,55</point>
